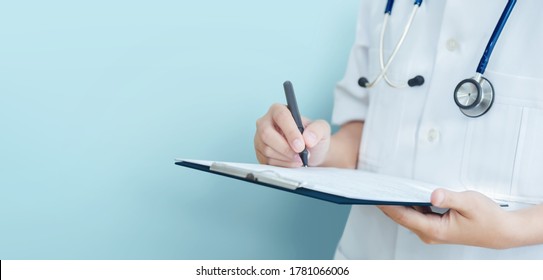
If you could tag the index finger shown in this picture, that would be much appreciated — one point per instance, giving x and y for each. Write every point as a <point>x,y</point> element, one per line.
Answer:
<point>282,117</point>
<point>408,217</point>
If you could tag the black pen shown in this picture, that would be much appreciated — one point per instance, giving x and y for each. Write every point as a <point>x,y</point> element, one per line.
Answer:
<point>293,107</point>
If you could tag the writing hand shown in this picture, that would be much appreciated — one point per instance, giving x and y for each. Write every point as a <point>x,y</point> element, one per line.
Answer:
<point>278,141</point>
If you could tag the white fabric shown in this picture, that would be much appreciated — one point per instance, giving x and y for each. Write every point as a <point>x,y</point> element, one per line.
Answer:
<point>420,133</point>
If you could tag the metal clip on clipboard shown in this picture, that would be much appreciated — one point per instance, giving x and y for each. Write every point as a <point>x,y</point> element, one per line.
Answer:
<point>265,176</point>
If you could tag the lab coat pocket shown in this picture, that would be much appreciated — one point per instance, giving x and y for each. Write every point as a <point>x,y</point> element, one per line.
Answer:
<point>490,150</point>
<point>380,136</point>
<point>383,123</point>
<point>528,174</point>
<point>514,134</point>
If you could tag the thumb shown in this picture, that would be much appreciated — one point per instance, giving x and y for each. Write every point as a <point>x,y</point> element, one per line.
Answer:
<point>315,132</point>
<point>459,201</point>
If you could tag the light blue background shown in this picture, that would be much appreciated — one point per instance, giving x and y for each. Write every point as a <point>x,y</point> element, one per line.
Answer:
<point>98,97</point>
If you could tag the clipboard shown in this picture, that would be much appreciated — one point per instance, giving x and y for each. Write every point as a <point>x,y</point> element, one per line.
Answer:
<point>268,179</point>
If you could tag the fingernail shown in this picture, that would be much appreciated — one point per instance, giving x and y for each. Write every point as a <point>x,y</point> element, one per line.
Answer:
<point>298,145</point>
<point>311,138</point>
<point>439,196</point>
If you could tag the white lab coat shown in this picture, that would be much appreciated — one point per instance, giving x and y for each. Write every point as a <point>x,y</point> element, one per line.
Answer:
<point>420,133</point>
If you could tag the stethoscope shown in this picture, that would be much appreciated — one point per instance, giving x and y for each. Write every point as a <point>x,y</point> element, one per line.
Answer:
<point>473,96</point>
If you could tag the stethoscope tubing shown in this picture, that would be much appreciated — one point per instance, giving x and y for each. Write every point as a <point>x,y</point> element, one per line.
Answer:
<point>473,96</point>
<point>485,58</point>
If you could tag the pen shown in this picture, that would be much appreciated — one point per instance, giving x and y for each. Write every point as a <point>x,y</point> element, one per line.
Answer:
<point>293,107</point>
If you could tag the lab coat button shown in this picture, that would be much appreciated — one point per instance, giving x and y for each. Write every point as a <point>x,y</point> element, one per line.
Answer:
<point>452,45</point>
<point>432,135</point>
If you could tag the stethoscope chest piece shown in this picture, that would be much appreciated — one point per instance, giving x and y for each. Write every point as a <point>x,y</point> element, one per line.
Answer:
<point>474,96</point>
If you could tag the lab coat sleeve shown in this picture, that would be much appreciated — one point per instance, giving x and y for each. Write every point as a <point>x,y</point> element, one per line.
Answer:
<point>351,100</point>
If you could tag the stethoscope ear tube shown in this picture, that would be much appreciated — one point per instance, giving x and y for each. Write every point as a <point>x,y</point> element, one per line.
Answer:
<point>364,82</point>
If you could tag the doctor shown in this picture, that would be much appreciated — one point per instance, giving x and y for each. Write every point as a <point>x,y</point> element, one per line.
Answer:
<point>431,130</point>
